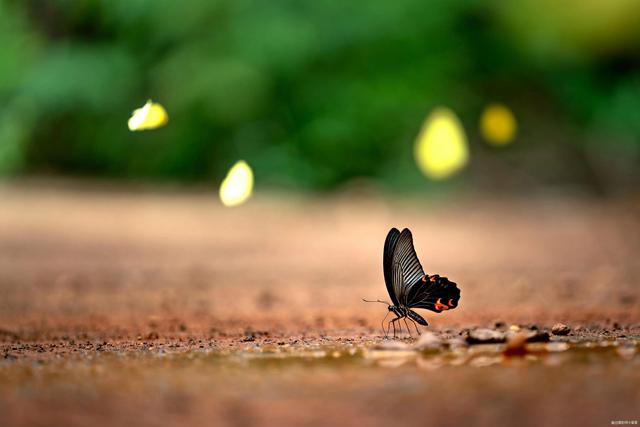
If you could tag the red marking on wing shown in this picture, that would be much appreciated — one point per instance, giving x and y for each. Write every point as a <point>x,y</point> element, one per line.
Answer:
<point>440,306</point>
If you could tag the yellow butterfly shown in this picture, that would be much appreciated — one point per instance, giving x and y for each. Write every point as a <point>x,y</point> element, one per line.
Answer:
<point>151,116</point>
<point>238,185</point>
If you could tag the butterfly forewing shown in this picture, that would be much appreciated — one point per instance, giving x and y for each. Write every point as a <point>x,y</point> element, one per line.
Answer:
<point>387,262</point>
<point>404,256</point>
<point>398,277</point>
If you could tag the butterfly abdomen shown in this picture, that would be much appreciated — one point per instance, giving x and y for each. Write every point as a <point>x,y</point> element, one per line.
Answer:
<point>415,316</point>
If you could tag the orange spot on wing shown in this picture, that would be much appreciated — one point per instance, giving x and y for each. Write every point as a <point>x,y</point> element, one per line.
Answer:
<point>440,306</point>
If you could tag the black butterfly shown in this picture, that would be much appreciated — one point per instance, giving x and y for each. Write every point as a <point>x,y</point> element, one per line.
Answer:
<point>408,285</point>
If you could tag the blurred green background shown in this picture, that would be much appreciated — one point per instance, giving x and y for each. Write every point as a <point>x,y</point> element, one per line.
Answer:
<point>317,94</point>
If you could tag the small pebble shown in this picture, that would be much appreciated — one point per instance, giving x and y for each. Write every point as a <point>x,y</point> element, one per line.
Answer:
<point>560,329</point>
<point>485,336</point>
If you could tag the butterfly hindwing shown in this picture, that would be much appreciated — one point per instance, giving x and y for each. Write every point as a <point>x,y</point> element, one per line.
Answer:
<point>434,293</point>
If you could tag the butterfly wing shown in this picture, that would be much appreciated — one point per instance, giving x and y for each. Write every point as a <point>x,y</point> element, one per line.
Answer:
<point>433,293</point>
<point>406,261</point>
<point>387,262</point>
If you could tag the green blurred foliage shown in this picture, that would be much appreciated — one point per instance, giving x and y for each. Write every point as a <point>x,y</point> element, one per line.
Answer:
<point>316,93</point>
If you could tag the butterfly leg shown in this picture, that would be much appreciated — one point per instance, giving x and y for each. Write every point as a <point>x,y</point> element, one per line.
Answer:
<point>393,323</point>
<point>386,334</point>
<point>416,325</point>
<point>408,328</point>
<point>382,324</point>
<point>399,324</point>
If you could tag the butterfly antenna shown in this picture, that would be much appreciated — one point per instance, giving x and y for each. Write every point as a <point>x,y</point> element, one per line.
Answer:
<point>383,302</point>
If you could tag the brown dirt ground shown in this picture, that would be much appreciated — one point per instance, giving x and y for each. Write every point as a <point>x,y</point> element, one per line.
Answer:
<point>163,308</point>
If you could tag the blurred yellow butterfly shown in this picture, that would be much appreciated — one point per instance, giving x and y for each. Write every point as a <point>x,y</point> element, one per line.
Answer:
<point>238,185</point>
<point>441,147</point>
<point>151,116</point>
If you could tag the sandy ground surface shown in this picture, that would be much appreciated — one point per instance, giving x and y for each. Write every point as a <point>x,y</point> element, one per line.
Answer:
<point>163,308</point>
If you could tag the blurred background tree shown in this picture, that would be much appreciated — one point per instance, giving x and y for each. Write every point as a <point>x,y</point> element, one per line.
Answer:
<point>314,94</point>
